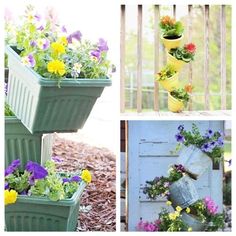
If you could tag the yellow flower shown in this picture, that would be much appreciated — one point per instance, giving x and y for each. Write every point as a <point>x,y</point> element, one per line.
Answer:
<point>172,216</point>
<point>63,40</point>
<point>188,210</point>
<point>168,203</point>
<point>56,67</point>
<point>177,214</point>
<point>190,229</point>
<point>10,196</point>
<point>86,176</point>
<point>178,208</point>
<point>58,48</point>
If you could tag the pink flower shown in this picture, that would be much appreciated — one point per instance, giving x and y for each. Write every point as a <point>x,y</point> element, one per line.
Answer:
<point>190,48</point>
<point>210,205</point>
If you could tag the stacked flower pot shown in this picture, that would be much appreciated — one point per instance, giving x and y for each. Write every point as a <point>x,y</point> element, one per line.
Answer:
<point>183,192</point>
<point>177,56</point>
<point>42,108</point>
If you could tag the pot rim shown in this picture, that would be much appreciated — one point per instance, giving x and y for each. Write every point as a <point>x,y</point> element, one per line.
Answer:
<point>172,40</point>
<point>175,99</point>
<point>170,78</point>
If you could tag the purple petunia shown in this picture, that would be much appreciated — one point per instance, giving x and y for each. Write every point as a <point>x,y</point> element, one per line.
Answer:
<point>12,167</point>
<point>220,142</point>
<point>209,134</point>
<point>76,35</point>
<point>65,180</point>
<point>179,168</point>
<point>102,45</point>
<point>6,185</point>
<point>210,205</point>
<point>31,60</point>
<point>33,43</point>
<point>37,17</point>
<point>206,147</point>
<point>181,128</point>
<point>36,170</point>
<point>63,29</point>
<point>179,138</point>
<point>40,28</point>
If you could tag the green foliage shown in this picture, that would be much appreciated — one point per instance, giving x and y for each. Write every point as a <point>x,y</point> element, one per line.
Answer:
<point>182,54</point>
<point>166,72</point>
<point>227,194</point>
<point>181,95</point>
<point>8,111</point>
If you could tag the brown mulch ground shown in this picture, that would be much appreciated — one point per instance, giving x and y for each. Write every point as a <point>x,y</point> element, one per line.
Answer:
<point>99,199</point>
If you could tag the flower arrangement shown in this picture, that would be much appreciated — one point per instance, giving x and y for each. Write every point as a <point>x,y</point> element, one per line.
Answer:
<point>185,53</point>
<point>159,187</point>
<point>37,180</point>
<point>211,143</point>
<point>167,72</point>
<point>167,221</point>
<point>205,210</point>
<point>171,28</point>
<point>54,53</point>
<point>182,94</point>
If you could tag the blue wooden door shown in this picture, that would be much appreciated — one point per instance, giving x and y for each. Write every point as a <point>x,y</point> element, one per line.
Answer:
<point>149,155</point>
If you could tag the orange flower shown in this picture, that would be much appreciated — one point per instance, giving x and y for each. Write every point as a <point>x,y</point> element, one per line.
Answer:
<point>166,20</point>
<point>188,88</point>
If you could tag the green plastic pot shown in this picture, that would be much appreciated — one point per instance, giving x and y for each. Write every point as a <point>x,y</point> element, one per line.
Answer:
<point>41,214</point>
<point>20,143</point>
<point>42,106</point>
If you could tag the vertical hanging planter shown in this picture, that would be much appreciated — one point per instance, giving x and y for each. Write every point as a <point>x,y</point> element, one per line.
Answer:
<point>194,160</point>
<point>177,64</point>
<point>183,192</point>
<point>21,144</point>
<point>192,222</point>
<point>41,214</point>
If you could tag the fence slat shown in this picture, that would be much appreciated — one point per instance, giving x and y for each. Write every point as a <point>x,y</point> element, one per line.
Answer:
<point>139,58</point>
<point>190,73</point>
<point>157,54</point>
<point>223,57</point>
<point>122,60</point>
<point>174,11</point>
<point>206,56</point>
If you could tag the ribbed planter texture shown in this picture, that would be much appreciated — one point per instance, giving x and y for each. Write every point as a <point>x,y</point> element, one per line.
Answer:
<point>42,106</point>
<point>192,222</point>
<point>174,105</point>
<point>175,63</point>
<point>194,160</point>
<point>171,43</point>
<point>41,214</point>
<point>170,83</point>
<point>183,192</point>
<point>20,143</point>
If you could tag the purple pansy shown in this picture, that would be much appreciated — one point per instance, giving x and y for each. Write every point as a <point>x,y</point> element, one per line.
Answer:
<point>76,35</point>
<point>6,185</point>
<point>179,138</point>
<point>36,170</point>
<point>96,54</point>
<point>12,167</point>
<point>102,45</point>
<point>75,178</point>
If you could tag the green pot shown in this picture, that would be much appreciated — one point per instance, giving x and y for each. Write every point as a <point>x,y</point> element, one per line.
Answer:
<point>20,143</point>
<point>42,106</point>
<point>41,214</point>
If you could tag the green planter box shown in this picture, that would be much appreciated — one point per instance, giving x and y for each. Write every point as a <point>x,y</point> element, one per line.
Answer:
<point>41,214</point>
<point>20,143</point>
<point>42,106</point>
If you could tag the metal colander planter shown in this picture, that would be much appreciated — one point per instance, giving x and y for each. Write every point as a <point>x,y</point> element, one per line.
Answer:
<point>192,222</point>
<point>194,160</point>
<point>42,106</point>
<point>41,214</point>
<point>20,143</point>
<point>183,192</point>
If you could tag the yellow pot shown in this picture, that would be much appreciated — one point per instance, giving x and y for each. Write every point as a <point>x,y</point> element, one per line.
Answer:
<point>175,105</point>
<point>171,43</point>
<point>170,83</point>
<point>177,64</point>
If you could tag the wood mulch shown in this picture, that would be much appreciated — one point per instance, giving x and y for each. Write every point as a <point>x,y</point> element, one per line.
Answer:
<point>98,203</point>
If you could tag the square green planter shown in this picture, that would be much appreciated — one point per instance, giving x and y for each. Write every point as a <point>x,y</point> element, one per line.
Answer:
<point>20,143</point>
<point>42,106</point>
<point>41,214</point>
